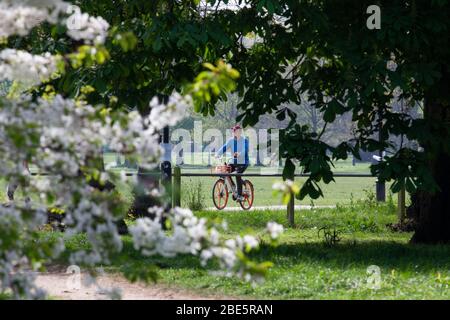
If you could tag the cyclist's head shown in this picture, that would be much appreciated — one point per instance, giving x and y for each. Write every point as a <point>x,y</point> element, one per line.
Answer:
<point>237,130</point>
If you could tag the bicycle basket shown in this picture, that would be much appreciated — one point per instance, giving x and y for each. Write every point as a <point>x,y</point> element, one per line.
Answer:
<point>223,169</point>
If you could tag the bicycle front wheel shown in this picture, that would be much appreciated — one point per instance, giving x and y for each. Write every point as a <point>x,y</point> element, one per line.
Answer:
<point>220,194</point>
<point>248,195</point>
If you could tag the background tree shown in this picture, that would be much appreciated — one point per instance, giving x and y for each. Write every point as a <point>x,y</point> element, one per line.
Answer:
<point>63,138</point>
<point>344,67</point>
<point>322,49</point>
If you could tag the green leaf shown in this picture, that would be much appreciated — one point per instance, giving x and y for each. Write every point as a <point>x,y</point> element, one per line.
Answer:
<point>288,170</point>
<point>157,44</point>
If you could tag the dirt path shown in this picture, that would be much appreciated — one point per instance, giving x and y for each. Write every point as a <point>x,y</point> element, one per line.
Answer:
<point>61,285</point>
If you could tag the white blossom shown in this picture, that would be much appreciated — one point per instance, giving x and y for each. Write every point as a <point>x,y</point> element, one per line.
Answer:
<point>391,65</point>
<point>250,242</point>
<point>191,235</point>
<point>63,138</point>
<point>283,186</point>
<point>18,17</point>
<point>274,229</point>
<point>61,145</point>
<point>82,26</point>
<point>170,113</point>
<point>28,69</point>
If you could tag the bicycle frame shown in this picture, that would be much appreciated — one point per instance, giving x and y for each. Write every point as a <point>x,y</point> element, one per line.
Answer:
<point>230,184</point>
<point>228,179</point>
<point>231,187</point>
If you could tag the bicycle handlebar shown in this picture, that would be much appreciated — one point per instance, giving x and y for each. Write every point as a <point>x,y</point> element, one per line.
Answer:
<point>225,162</point>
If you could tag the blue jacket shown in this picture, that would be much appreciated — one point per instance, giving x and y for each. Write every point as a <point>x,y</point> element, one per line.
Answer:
<point>236,145</point>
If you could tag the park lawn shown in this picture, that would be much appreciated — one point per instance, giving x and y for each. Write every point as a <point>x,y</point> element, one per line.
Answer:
<point>343,191</point>
<point>305,267</point>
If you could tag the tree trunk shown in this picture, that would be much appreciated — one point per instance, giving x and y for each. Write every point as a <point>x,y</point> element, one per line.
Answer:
<point>431,211</point>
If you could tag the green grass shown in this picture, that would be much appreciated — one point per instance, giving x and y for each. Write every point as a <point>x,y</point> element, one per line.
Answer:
<point>305,267</point>
<point>342,191</point>
<point>5,296</point>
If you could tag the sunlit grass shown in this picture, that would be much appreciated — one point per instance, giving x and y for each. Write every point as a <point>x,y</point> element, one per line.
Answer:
<point>305,267</point>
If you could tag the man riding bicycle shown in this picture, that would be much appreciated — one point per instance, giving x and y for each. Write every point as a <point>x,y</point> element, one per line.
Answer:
<point>239,146</point>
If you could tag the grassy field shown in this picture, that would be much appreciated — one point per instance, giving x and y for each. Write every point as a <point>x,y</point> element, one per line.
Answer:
<point>198,189</point>
<point>343,191</point>
<point>306,267</point>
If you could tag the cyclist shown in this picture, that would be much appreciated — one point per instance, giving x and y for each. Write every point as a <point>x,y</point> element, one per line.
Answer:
<point>239,147</point>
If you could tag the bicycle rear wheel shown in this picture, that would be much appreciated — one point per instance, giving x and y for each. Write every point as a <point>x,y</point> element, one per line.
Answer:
<point>220,194</point>
<point>248,194</point>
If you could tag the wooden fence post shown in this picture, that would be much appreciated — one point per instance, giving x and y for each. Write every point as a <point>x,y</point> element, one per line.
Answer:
<point>176,196</point>
<point>380,190</point>
<point>401,206</point>
<point>290,210</point>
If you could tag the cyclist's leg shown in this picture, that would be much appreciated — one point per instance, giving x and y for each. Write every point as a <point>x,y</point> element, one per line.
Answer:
<point>233,169</point>
<point>239,181</point>
<point>230,181</point>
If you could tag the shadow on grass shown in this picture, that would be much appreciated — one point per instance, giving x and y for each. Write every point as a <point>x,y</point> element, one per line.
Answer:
<point>346,254</point>
<point>387,254</point>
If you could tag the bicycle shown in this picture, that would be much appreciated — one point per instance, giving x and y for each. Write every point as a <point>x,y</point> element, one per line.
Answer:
<point>225,185</point>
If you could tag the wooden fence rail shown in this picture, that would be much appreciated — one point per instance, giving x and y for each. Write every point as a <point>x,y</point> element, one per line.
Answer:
<point>177,175</point>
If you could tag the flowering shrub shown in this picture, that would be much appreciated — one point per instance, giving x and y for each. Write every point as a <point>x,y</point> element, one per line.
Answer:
<point>29,69</point>
<point>64,137</point>
<point>274,229</point>
<point>191,235</point>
